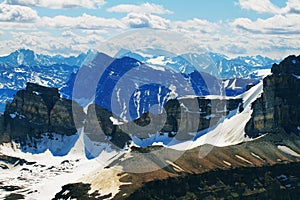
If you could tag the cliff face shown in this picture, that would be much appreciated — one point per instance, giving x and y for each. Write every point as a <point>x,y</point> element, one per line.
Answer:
<point>100,128</point>
<point>279,105</point>
<point>38,110</point>
<point>181,118</point>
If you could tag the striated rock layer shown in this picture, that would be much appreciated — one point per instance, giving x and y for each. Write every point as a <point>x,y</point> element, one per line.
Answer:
<point>38,110</point>
<point>278,107</point>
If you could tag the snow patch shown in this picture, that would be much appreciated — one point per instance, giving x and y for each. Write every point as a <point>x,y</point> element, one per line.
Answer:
<point>226,83</point>
<point>12,115</point>
<point>173,93</point>
<point>37,93</point>
<point>175,167</point>
<point>227,163</point>
<point>289,151</point>
<point>19,70</point>
<point>115,121</point>
<point>84,102</point>
<point>262,72</point>
<point>16,114</point>
<point>256,156</point>
<point>160,60</point>
<point>44,178</point>
<point>243,159</point>
<point>210,116</point>
<point>296,76</point>
<point>158,68</point>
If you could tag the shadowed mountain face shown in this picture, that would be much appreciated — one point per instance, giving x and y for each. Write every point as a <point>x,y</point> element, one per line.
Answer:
<point>129,88</point>
<point>278,107</point>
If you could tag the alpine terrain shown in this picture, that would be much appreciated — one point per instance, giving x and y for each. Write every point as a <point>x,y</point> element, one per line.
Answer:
<point>149,125</point>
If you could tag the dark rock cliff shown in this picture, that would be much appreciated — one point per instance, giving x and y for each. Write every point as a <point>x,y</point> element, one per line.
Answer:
<point>279,105</point>
<point>181,117</point>
<point>186,115</point>
<point>38,110</point>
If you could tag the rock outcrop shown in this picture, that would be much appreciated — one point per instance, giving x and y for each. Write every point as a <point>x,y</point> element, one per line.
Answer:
<point>279,105</point>
<point>185,116</point>
<point>181,117</point>
<point>100,128</point>
<point>38,110</point>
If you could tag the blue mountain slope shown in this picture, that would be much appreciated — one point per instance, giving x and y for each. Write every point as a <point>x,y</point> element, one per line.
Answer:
<point>129,88</point>
<point>24,66</point>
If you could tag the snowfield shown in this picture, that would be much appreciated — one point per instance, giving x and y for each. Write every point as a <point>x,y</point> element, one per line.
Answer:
<point>44,178</point>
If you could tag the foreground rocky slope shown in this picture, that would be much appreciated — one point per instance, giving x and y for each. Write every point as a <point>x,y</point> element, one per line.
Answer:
<point>280,181</point>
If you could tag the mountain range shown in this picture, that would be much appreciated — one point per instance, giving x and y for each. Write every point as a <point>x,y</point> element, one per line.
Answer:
<point>51,150</point>
<point>23,65</point>
<point>123,127</point>
<point>214,64</point>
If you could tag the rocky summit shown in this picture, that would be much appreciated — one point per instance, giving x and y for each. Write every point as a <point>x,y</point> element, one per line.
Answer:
<point>278,107</point>
<point>37,110</point>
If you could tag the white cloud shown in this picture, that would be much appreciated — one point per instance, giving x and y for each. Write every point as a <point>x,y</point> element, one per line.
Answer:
<point>146,8</point>
<point>266,6</point>
<point>167,40</point>
<point>137,20</point>
<point>292,6</point>
<point>58,4</point>
<point>276,36</point>
<point>82,22</point>
<point>278,24</point>
<point>95,32</point>
<point>196,25</point>
<point>9,13</point>
<point>43,42</point>
<point>261,6</point>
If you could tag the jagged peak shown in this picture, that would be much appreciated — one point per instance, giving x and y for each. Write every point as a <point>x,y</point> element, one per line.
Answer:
<point>290,65</point>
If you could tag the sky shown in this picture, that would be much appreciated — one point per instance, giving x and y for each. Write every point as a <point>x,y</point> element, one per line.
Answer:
<point>231,27</point>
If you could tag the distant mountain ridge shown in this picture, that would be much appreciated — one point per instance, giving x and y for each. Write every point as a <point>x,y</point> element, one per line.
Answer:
<point>24,65</point>
<point>28,57</point>
<point>214,64</point>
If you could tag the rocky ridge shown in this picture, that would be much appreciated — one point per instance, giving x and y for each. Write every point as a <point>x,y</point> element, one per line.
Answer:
<point>278,107</point>
<point>37,110</point>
